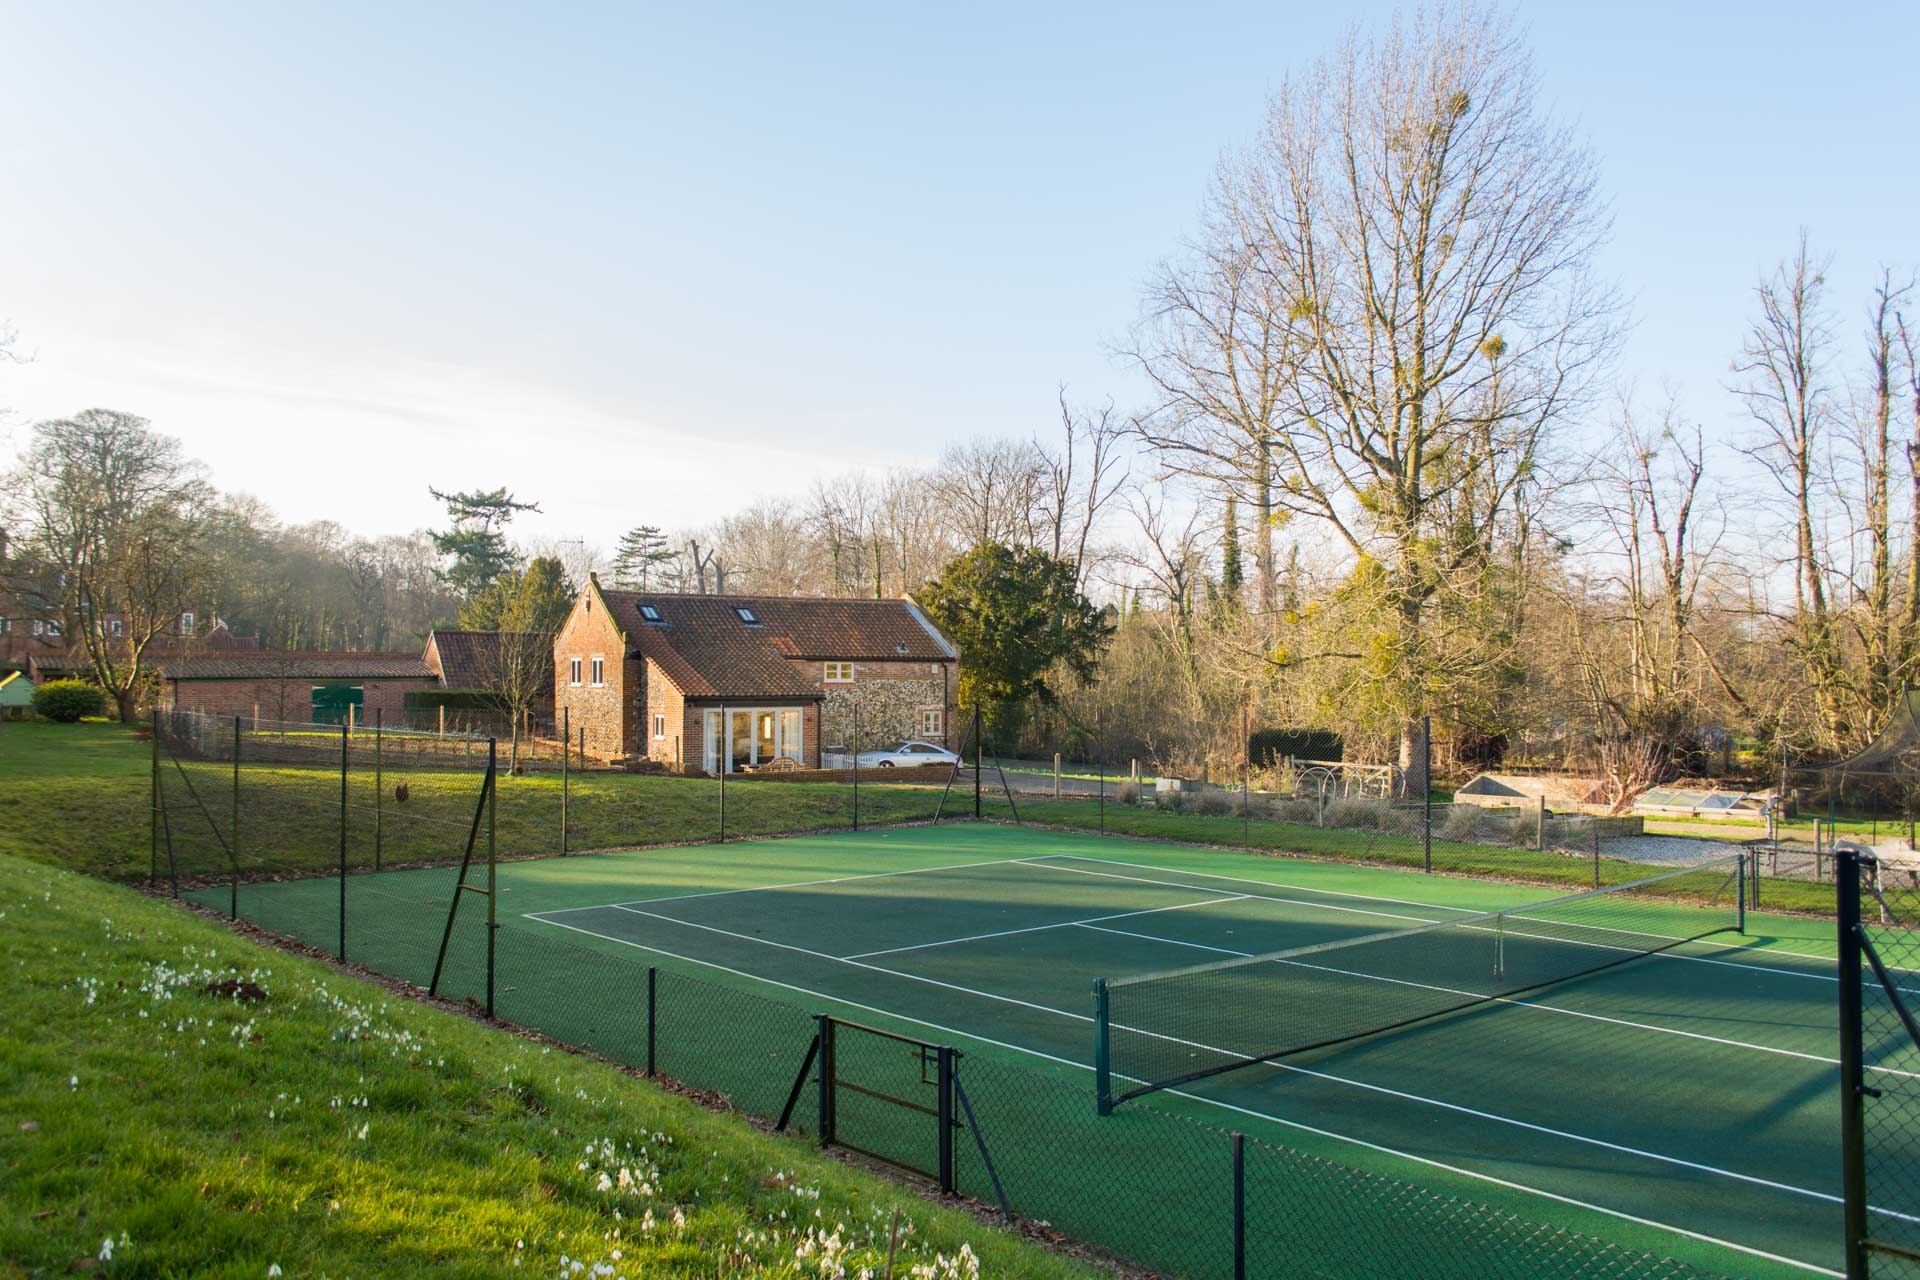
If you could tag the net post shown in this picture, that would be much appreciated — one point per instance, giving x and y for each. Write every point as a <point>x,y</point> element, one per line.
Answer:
<point>233,897</point>
<point>1239,1206</point>
<point>726,758</point>
<point>1740,913</point>
<point>855,702</point>
<point>825,1022</point>
<point>653,1015</point>
<point>1426,791</point>
<point>945,1119</point>
<point>493,887</point>
<point>344,745</point>
<point>566,754</point>
<point>1853,1133</point>
<point>1102,1059</point>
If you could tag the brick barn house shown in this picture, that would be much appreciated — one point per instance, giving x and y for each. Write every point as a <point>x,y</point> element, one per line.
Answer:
<point>486,659</point>
<point>706,682</point>
<point>306,688</point>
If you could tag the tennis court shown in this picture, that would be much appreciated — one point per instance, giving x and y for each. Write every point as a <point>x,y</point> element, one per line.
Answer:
<point>1682,1102</point>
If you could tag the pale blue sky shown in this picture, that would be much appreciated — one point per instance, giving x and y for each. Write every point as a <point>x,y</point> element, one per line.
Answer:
<point>644,264</point>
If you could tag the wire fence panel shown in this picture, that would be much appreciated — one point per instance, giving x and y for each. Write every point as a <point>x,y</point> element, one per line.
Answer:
<point>359,840</point>
<point>1879,908</point>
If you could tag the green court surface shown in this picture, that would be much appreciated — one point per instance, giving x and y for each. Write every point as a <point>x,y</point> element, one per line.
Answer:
<point>1683,1103</point>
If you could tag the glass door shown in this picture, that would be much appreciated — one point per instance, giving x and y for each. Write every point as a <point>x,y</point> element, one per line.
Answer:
<point>715,746</point>
<point>740,744</point>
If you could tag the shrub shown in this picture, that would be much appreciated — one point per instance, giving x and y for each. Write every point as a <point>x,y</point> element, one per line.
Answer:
<point>68,700</point>
<point>1212,804</point>
<point>1305,812</point>
<point>1355,812</point>
<point>1129,792</point>
<point>1462,823</point>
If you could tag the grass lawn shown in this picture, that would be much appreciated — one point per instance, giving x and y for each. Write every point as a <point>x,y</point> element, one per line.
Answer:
<point>76,796</point>
<point>175,1100</point>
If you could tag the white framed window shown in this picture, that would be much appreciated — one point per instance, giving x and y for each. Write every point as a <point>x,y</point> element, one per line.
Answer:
<point>599,671</point>
<point>39,627</point>
<point>115,627</point>
<point>747,615</point>
<point>659,726</point>
<point>933,721</point>
<point>649,614</point>
<point>186,624</point>
<point>573,671</point>
<point>839,673</point>
<point>53,628</point>
<point>6,626</point>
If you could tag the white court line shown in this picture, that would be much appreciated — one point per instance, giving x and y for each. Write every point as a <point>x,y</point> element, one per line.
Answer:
<point>801,884</point>
<point>1432,906</point>
<point>1332,1135</point>
<point>1769,970</point>
<point>1042,928</point>
<point>1523,1004</point>
<point>1277,1066</point>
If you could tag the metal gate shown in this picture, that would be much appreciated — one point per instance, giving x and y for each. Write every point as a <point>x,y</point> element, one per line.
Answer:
<point>892,1098</point>
<point>1879,982</point>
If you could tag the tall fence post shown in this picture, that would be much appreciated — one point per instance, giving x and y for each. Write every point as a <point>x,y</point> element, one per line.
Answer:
<point>233,826</point>
<point>1102,1058</point>
<point>1100,751</point>
<point>653,1014</point>
<point>493,884</point>
<point>153,810</point>
<point>944,1146</point>
<point>825,1024</point>
<point>979,756</point>
<point>1853,1130</point>
<point>566,750</point>
<point>855,701</point>
<point>1246,780</point>
<point>379,783</point>
<point>1426,791</point>
<point>1239,1206</point>
<point>726,759</point>
<point>344,745</point>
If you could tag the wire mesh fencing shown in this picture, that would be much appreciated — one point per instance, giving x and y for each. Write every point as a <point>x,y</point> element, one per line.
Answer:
<point>1879,909</point>
<point>300,829</point>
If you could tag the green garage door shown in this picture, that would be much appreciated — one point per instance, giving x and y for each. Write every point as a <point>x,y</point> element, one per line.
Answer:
<point>333,703</point>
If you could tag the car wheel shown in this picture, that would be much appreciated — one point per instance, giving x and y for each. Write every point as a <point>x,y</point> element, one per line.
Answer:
<point>886,764</point>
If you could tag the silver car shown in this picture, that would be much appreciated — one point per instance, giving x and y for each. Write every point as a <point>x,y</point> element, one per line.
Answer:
<point>907,755</point>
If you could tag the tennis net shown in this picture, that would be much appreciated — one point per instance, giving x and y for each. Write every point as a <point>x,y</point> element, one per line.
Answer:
<point>1158,1030</point>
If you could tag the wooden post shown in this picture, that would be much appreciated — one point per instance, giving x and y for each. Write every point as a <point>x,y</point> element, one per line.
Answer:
<point>443,719</point>
<point>1056,775</point>
<point>1540,824</point>
<point>1133,771</point>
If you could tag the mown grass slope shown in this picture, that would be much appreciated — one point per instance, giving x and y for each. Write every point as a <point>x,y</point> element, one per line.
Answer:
<point>176,1100</point>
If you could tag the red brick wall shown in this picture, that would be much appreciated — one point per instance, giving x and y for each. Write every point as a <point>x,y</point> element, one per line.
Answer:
<point>662,699</point>
<point>286,699</point>
<point>610,714</point>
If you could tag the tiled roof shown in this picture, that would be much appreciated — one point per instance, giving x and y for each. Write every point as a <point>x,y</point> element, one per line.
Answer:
<point>471,659</point>
<point>708,651</point>
<point>294,666</point>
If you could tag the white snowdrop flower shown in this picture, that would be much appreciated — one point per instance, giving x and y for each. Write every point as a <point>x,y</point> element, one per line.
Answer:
<point>106,1249</point>
<point>73,1082</point>
<point>273,1270</point>
<point>362,1135</point>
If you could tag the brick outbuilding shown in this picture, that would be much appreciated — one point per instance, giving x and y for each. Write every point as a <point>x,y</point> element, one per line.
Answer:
<point>306,688</point>
<point>703,683</point>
